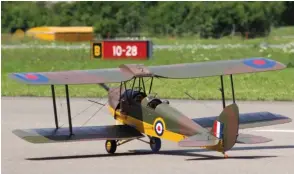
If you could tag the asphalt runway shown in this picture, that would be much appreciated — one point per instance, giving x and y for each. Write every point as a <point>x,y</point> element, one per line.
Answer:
<point>19,156</point>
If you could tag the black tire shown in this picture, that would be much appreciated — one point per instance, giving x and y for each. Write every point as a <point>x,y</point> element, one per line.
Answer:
<point>110,146</point>
<point>155,144</point>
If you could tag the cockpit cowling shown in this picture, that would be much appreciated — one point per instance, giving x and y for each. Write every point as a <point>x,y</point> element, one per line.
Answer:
<point>174,119</point>
<point>151,101</point>
<point>126,95</point>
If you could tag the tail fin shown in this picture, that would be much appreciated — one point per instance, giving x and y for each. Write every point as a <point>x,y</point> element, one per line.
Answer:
<point>226,126</point>
<point>223,135</point>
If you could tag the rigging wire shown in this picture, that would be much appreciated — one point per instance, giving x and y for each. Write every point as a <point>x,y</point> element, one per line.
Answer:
<point>80,113</point>
<point>190,96</point>
<point>93,114</point>
<point>102,106</point>
<point>128,83</point>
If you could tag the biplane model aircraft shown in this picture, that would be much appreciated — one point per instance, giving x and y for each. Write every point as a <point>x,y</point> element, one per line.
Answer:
<point>142,114</point>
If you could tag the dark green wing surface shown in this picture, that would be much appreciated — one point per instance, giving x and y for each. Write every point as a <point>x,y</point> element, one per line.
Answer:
<point>112,75</point>
<point>216,68</point>
<point>249,120</point>
<point>51,135</point>
<point>128,71</point>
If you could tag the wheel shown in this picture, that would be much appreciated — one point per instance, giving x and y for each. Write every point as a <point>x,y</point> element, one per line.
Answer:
<point>155,144</point>
<point>110,146</point>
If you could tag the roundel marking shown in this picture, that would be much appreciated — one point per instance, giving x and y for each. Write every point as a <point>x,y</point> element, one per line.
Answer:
<point>32,77</point>
<point>260,63</point>
<point>159,126</point>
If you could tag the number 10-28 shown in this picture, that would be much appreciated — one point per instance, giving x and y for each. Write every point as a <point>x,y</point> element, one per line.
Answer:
<point>130,51</point>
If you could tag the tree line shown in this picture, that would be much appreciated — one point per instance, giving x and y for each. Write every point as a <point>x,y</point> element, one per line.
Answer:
<point>207,19</point>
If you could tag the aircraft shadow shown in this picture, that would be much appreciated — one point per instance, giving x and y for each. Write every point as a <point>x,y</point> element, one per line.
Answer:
<point>180,152</point>
<point>89,156</point>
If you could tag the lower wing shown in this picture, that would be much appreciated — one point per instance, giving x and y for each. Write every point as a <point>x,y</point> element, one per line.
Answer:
<point>249,120</point>
<point>51,135</point>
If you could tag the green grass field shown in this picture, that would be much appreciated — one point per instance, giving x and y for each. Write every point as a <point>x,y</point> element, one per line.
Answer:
<point>277,36</point>
<point>277,85</point>
<point>165,41</point>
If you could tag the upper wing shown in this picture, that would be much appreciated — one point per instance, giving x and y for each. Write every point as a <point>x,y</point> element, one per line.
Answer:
<point>216,68</point>
<point>249,120</point>
<point>73,77</point>
<point>127,72</point>
<point>51,135</point>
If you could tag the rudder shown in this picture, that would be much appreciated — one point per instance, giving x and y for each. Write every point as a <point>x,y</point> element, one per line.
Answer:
<point>226,127</point>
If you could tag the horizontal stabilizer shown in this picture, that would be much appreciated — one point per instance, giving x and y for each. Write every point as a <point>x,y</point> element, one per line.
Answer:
<point>249,120</point>
<point>52,135</point>
<point>251,139</point>
<point>198,141</point>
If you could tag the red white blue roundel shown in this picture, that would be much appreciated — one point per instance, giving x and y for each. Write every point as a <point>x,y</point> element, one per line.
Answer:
<point>159,129</point>
<point>260,63</point>
<point>32,77</point>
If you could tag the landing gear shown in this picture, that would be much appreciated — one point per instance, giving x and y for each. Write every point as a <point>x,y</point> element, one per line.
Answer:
<point>110,146</point>
<point>155,144</point>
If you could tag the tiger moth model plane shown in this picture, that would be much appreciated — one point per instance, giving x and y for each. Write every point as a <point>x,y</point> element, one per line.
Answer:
<point>143,113</point>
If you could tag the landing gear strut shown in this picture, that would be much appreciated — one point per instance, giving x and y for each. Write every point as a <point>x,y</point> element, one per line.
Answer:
<point>111,145</point>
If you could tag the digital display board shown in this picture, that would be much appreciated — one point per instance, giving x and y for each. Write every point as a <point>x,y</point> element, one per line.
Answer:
<point>121,49</point>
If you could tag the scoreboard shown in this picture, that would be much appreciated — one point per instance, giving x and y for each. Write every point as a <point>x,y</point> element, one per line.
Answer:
<point>121,49</point>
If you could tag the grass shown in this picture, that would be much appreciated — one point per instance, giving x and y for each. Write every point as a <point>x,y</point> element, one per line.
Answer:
<point>277,85</point>
<point>225,40</point>
<point>283,31</point>
<point>277,36</point>
<point>7,40</point>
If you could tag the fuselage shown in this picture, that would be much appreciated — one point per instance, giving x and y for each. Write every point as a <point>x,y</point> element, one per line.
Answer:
<point>150,115</point>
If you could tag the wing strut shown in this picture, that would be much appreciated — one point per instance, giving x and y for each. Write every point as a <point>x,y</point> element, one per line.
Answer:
<point>233,91</point>
<point>223,91</point>
<point>68,109</point>
<point>143,84</point>
<point>54,106</point>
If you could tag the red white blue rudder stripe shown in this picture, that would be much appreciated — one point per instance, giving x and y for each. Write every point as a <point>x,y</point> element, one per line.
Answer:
<point>217,129</point>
